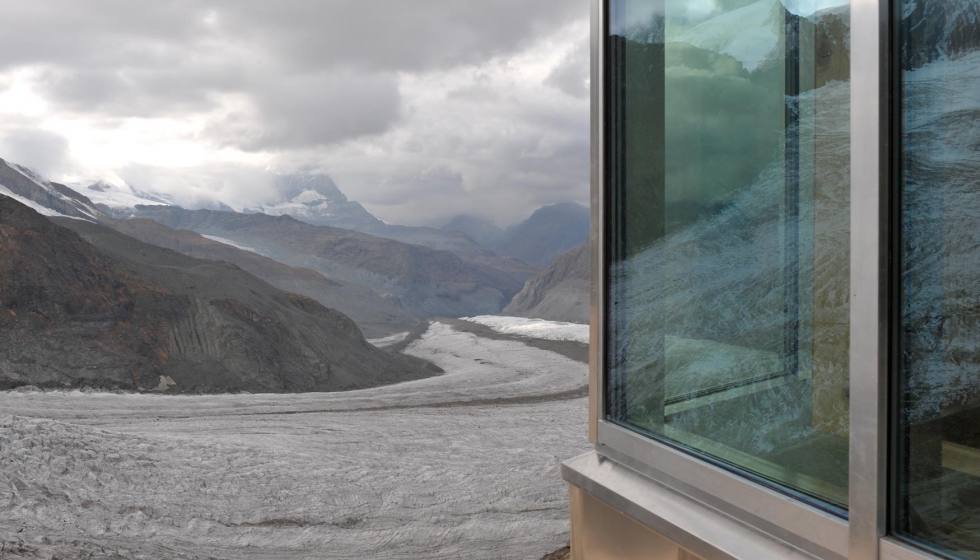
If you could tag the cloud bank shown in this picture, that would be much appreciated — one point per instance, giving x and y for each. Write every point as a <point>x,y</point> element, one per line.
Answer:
<point>420,109</point>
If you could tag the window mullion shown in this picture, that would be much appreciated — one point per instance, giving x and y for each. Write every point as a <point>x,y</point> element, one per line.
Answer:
<point>868,313</point>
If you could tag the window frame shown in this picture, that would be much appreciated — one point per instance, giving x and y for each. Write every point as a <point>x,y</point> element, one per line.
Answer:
<point>862,534</point>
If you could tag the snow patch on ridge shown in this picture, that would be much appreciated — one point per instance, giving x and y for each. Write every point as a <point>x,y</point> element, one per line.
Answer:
<point>224,241</point>
<point>42,210</point>
<point>47,187</point>
<point>389,340</point>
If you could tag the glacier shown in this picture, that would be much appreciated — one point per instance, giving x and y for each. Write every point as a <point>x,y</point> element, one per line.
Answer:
<point>463,465</point>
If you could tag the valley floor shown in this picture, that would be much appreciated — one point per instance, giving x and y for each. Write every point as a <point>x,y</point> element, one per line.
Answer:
<point>463,465</point>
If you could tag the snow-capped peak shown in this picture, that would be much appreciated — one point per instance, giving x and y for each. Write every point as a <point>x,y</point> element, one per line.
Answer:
<point>316,199</point>
<point>122,196</point>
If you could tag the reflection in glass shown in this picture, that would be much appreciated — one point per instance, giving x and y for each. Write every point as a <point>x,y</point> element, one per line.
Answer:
<point>938,444</point>
<point>728,193</point>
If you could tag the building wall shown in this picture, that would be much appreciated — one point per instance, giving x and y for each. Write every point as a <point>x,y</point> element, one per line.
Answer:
<point>600,532</point>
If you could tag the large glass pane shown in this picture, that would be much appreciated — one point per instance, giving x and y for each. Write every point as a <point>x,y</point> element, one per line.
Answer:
<point>728,195</point>
<point>938,463</point>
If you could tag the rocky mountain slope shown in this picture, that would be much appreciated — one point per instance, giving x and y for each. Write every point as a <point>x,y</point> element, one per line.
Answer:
<point>482,230</point>
<point>375,315</point>
<point>422,281</point>
<point>560,293</point>
<point>125,314</point>
<point>549,232</point>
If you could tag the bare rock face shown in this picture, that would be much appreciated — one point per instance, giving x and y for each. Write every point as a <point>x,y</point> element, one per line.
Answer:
<point>127,315</point>
<point>560,293</point>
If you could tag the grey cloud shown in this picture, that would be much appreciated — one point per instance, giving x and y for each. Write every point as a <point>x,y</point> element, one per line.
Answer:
<point>410,35</point>
<point>96,34</point>
<point>312,110</point>
<point>411,186</point>
<point>318,83</point>
<point>139,92</point>
<point>504,172</point>
<point>111,50</point>
<point>43,151</point>
<point>206,186</point>
<point>572,74</point>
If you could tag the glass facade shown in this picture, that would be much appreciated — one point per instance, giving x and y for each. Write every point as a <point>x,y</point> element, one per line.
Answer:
<point>727,275</point>
<point>937,468</point>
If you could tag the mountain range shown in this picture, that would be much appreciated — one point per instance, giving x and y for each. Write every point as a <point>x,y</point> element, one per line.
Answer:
<point>317,200</point>
<point>547,233</point>
<point>410,281</point>
<point>375,315</point>
<point>212,300</point>
<point>422,281</point>
<point>521,250</point>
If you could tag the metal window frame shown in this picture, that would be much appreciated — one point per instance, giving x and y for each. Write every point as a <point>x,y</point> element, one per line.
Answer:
<point>863,535</point>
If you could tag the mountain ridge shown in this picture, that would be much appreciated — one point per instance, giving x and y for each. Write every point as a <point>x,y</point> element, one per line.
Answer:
<point>317,200</point>
<point>560,292</point>
<point>415,281</point>
<point>423,281</point>
<point>548,232</point>
<point>376,316</point>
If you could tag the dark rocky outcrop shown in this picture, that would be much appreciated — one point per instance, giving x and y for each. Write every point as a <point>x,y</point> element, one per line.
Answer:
<point>123,314</point>
<point>560,293</point>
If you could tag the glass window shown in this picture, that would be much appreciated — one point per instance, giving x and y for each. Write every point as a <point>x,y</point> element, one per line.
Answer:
<point>727,188</point>
<point>938,444</point>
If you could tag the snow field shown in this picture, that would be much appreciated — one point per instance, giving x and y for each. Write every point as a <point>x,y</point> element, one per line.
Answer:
<point>534,328</point>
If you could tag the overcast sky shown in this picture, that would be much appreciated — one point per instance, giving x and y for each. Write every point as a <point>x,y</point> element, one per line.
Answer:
<point>419,109</point>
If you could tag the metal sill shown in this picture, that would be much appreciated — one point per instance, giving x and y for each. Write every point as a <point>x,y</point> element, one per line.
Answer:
<point>768,512</point>
<point>691,524</point>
